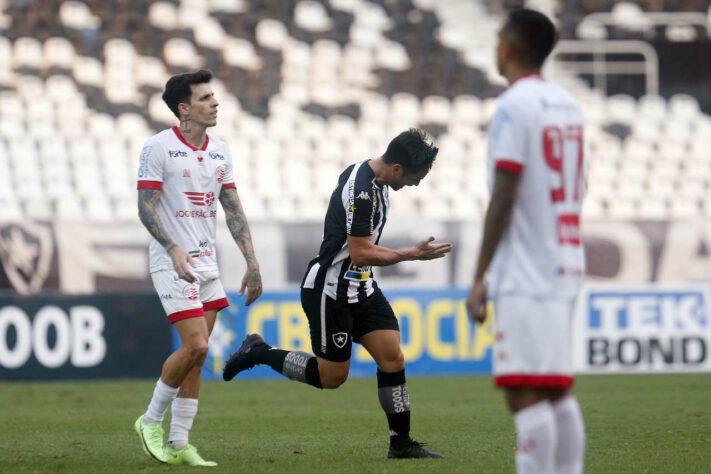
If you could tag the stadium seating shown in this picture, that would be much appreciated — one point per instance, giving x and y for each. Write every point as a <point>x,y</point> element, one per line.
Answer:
<point>305,88</point>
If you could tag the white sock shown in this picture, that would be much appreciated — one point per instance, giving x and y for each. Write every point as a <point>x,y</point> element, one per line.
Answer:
<point>571,436</point>
<point>536,434</point>
<point>162,396</point>
<point>184,411</point>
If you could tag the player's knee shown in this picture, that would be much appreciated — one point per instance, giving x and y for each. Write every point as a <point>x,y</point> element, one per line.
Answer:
<point>392,361</point>
<point>197,352</point>
<point>334,378</point>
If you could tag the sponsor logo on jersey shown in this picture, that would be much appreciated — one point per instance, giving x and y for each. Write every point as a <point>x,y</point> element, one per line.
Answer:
<point>177,154</point>
<point>196,213</point>
<point>216,156</point>
<point>364,195</point>
<point>340,339</point>
<point>190,292</point>
<point>144,161</point>
<point>220,173</point>
<point>357,273</point>
<point>201,253</point>
<point>201,199</point>
<point>166,297</point>
<point>351,206</point>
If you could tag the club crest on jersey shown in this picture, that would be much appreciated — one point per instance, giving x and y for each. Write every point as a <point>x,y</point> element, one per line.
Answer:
<point>201,161</point>
<point>190,292</point>
<point>340,339</point>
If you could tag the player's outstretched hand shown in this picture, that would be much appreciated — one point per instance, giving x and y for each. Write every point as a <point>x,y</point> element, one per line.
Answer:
<point>427,251</point>
<point>182,263</point>
<point>476,302</point>
<point>252,281</point>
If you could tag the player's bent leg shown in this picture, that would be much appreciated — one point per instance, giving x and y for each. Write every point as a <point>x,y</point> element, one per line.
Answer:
<point>536,431</point>
<point>295,365</point>
<point>333,374</point>
<point>384,346</point>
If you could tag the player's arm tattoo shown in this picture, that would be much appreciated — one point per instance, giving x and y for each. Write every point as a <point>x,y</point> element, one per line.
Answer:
<point>147,201</point>
<point>237,223</point>
<point>498,217</point>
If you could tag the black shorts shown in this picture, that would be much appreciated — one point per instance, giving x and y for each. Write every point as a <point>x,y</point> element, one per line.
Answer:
<point>333,329</point>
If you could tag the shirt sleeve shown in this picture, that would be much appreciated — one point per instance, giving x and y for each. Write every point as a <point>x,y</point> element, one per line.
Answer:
<point>228,181</point>
<point>360,208</point>
<point>151,166</point>
<point>509,139</point>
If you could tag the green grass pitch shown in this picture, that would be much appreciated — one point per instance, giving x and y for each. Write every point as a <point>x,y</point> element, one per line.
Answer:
<point>635,423</point>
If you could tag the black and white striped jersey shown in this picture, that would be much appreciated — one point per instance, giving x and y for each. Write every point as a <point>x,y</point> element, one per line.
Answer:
<point>358,207</point>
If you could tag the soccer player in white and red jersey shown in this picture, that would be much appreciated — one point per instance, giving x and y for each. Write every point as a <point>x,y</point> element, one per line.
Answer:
<point>182,173</point>
<point>531,245</point>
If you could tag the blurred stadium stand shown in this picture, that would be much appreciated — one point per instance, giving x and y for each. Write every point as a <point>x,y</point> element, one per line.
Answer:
<point>307,87</point>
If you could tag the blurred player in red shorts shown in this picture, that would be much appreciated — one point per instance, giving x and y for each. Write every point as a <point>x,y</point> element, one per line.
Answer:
<point>532,247</point>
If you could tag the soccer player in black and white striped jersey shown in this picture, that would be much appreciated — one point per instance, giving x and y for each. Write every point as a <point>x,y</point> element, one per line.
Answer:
<point>340,298</point>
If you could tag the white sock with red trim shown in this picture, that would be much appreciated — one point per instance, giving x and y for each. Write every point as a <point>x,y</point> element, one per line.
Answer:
<point>183,414</point>
<point>571,436</point>
<point>162,396</point>
<point>537,440</point>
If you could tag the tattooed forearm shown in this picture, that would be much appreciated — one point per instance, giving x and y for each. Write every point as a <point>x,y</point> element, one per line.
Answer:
<point>147,200</point>
<point>497,219</point>
<point>237,223</point>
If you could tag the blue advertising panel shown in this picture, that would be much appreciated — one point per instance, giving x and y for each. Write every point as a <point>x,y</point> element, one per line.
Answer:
<point>437,334</point>
<point>646,329</point>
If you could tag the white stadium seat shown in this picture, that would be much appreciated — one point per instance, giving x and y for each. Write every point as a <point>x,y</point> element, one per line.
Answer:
<point>312,16</point>
<point>336,97</point>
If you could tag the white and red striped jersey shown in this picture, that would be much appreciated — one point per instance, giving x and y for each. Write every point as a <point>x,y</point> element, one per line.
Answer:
<point>537,131</point>
<point>190,181</point>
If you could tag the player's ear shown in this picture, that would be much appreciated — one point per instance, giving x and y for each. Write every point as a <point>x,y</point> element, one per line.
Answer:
<point>183,108</point>
<point>398,171</point>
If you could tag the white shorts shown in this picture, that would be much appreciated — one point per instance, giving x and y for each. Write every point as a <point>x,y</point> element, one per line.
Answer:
<point>183,300</point>
<point>533,342</point>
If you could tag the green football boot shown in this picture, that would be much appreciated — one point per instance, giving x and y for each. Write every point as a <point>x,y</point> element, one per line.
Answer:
<point>187,456</point>
<point>151,439</point>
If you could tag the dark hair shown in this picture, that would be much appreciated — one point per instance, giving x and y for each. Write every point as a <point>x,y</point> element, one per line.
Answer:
<point>532,36</point>
<point>412,151</point>
<point>178,89</point>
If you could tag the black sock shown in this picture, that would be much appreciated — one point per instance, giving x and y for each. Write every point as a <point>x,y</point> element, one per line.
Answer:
<point>392,392</point>
<point>296,365</point>
<point>268,355</point>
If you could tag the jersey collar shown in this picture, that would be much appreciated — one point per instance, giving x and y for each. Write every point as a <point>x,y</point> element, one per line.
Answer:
<point>182,139</point>
<point>531,75</point>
